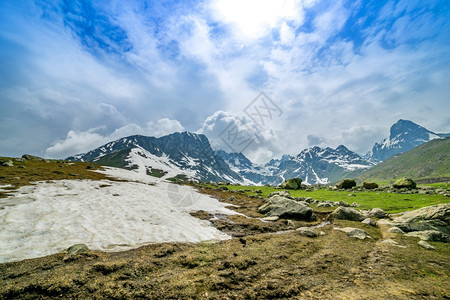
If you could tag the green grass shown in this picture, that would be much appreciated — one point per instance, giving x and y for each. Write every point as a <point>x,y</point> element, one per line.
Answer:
<point>440,185</point>
<point>428,161</point>
<point>390,202</point>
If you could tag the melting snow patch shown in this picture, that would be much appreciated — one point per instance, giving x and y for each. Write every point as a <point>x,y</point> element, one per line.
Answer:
<point>105,215</point>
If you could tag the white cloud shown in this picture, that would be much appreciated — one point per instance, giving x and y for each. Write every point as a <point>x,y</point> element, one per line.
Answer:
<point>234,132</point>
<point>252,19</point>
<point>83,141</point>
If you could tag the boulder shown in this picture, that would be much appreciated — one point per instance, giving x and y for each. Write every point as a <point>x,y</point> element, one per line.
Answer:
<point>430,235</point>
<point>283,207</point>
<point>354,204</point>
<point>395,230</point>
<point>292,184</point>
<point>354,232</point>
<point>436,217</point>
<point>370,185</point>
<point>426,245</point>
<point>7,163</point>
<point>347,213</point>
<point>343,203</point>
<point>307,231</point>
<point>346,184</point>
<point>370,222</point>
<point>324,204</point>
<point>378,213</point>
<point>404,183</point>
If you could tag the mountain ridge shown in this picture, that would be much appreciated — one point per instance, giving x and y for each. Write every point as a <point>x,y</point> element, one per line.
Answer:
<point>190,155</point>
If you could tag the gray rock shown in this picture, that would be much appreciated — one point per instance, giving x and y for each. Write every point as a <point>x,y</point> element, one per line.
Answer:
<point>75,250</point>
<point>378,213</point>
<point>426,245</point>
<point>347,213</point>
<point>395,230</point>
<point>343,203</point>
<point>232,198</point>
<point>8,163</point>
<point>292,184</point>
<point>430,235</point>
<point>346,184</point>
<point>307,231</point>
<point>285,208</point>
<point>324,204</point>
<point>354,204</point>
<point>354,232</point>
<point>370,222</point>
<point>435,217</point>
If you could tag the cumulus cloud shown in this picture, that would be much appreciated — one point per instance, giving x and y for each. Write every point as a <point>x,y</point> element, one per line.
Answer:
<point>83,141</point>
<point>233,132</point>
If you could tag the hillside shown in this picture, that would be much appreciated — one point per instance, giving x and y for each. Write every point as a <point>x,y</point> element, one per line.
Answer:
<point>428,162</point>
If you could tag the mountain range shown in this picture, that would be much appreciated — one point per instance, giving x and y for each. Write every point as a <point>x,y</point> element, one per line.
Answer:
<point>185,154</point>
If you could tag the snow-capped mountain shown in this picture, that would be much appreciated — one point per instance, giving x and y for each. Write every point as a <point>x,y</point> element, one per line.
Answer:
<point>404,136</point>
<point>314,165</point>
<point>181,153</point>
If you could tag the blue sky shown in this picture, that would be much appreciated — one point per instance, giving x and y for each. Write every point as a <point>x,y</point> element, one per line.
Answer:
<point>77,74</point>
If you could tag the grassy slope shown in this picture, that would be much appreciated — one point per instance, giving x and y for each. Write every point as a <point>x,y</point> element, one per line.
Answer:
<point>29,171</point>
<point>429,160</point>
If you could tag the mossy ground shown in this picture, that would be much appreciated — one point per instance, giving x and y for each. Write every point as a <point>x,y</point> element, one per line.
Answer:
<point>263,260</point>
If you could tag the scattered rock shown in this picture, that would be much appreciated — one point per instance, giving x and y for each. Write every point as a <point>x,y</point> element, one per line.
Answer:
<point>286,208</point>
<point>292,184</point>
<point>354,232</point>
<point>8,163</point>
<point>378,213</point>
<point>354,204</point>
<point>404,183</point>
<point>281,193</point>
<point>392,243</point>
<point>343,203</point>
<point>75,250</point>
<point>73,174</point>
<point>426,245</point>
<point>351,195</point>
<point>259,191</point>
<point>347,213</point>
<point>90,166</point>
<point>436,217</point>
<point>21,167</point>
<point>395,230</point>
<point>232,198</point>
<point>324,204</point>
<point>370,222</point>
<point>430,235</point>
<point>370,185</point>
<point>307,231</point>
<point>346,184</point>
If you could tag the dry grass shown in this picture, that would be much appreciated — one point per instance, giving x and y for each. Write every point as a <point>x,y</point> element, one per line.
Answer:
<point>26,172</point>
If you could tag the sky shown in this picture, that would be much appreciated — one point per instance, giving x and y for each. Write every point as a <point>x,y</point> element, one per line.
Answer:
<point>265,78</point>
